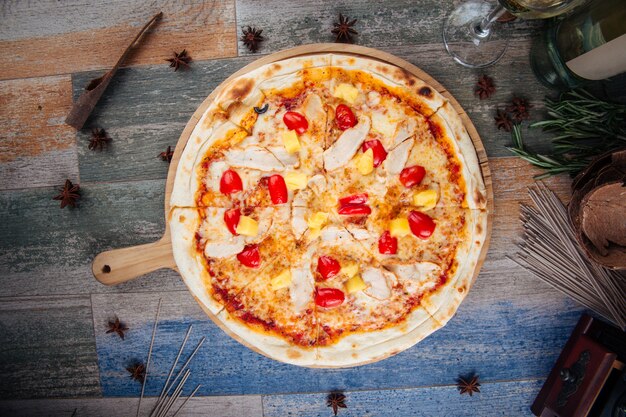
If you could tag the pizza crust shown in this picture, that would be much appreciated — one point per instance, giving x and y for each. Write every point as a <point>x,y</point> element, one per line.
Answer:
<point>231,111</point>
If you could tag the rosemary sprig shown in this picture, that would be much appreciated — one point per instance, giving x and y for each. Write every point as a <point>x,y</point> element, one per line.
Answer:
<point>585,127</point>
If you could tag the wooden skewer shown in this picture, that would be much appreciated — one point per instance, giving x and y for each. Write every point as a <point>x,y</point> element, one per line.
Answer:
<point>165,386</point>
<point>145,378</point>
<point>94,90</point>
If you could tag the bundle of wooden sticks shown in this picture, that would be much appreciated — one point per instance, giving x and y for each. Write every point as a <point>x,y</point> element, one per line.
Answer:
<point>551,252</point>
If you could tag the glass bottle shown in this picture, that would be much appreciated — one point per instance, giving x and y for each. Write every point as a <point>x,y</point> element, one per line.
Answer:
<point>589,44</point>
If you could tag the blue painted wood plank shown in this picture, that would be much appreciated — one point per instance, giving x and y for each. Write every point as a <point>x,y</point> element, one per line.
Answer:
<point>507,399</point>
<point>499,339</point>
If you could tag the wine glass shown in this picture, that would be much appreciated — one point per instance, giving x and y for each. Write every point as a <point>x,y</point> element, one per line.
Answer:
<point>469,33</point>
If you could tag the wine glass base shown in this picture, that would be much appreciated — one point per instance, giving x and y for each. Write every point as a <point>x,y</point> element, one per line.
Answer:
<point>466,43</point>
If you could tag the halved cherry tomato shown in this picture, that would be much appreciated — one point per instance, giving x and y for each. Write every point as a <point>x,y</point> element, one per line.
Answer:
<point>380,154</point>
<point>387,244</point>
<point>421,224</point>
<point>230,182</point>
<point>328,267</point>
<point>231,218</point>
<point>329,297</point>
<point>296,121</point>
<point>411,176</point>
<point>354,210</point>
<point>278,189</point>
<point>250,256</point>
<point>353,199</point>
<point>344,117</point>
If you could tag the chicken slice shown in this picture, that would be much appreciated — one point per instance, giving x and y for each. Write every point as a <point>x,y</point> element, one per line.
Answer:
<point>298,223</point>
<point>254,157</point>
<point>224,249</point>
<point>342,151</point>
<point>397,157</point>
<point>378,281</point>
<point>302,283</point>
<point>404,131</point>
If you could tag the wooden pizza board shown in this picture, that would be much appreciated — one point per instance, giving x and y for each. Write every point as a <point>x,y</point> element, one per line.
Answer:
<point>120,265</point>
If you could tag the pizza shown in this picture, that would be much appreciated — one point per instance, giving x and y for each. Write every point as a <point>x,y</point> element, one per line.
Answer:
<point>328,210</point>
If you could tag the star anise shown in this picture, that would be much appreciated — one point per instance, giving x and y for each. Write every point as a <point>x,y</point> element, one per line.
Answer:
<point>117,327</point>
<point>468,385</point>
<point>343,30</point>
<point>518,109</point>
<point>484,87</point>
<point>503,121</point>
<point>336,400</point>
<point>167,154</point>
<point>180,60</point>
<point>69,194</point>
<point>251,38</point>
<point>99,139</point>
<point>137,372</point>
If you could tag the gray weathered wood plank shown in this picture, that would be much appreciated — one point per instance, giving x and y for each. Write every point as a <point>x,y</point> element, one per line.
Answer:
<point>225,406</point>
<point>507,399</point>
<point>47,347</point>
<point>46,250</point>
<point>145,109</point>
<point>380,24</point>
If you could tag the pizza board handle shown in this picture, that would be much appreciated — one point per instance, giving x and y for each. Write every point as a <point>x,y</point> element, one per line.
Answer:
<point>120,265</point>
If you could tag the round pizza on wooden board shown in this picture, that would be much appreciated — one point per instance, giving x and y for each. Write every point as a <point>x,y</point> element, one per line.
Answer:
<point>329,210</point>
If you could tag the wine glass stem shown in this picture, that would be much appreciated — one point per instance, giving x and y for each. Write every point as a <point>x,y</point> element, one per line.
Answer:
<point>483,29</point>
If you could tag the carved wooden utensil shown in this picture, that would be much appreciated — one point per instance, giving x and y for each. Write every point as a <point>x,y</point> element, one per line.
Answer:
<point>94,90</point>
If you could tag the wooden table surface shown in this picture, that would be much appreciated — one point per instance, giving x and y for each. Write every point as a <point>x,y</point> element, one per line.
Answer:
<point>55,357</point>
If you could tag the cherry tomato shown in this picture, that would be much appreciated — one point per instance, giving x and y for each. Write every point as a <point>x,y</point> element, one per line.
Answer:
<point>230,182</point>
<point>328,267</point>
<point>353,199</point>
<point>380,154</point>
<point>411,176</point>
<point>278,189</point>
<point>329,297</point>
<point>344,117</point>
<point>355,210</point>
<point>250,256</point>
<point>387,244</point>
<point>421,224</point>
<point>296,121</point>
<point>231,218</point>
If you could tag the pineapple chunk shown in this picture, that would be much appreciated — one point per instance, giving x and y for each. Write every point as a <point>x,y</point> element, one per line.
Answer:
<point>355,284</point>
<point>291,142</point>
<point>346,92</point>
<point>281,280</point>
<point>426,200</point>
<point>296,180</point>
<point>317,220</point>
<point>399,227</point>
<point>247,226</point>
<point>365,162</point>
<point>314,233</point>
<point>350,270</point>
